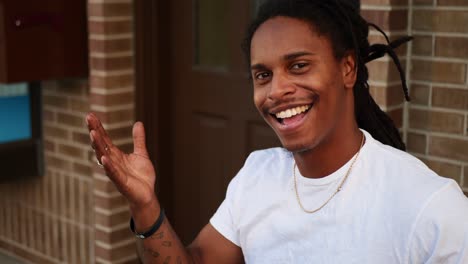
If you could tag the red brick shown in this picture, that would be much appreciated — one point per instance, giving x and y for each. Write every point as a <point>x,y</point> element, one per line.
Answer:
<point>112,82</point>
<point>110,27</point>
<point>124,98</point>
<point>114,236</point>
<point>440,21</point>
<point>105,186</point>
<point>71,120</point>
<point>71,151</point>
<point>453,47</point>
<point>422,45</point>
<point>420,94</point>
<point>111,45</point>
<point>436,121</point>
<point>110,203</point>
<point>48,116</point>
<point>452,3</point>
<point>416,143</point>
<point>79,105</point>
<point>387,20</point>
<point>55,101</point>
<point>57,163</point>
<point>449,148</point>
<point>81,169</point>
<point>388,96</point>
<point>449,72</point>
<point>49,145</point>
<point>55,132</point>
<point>110,9</point>
<point>112,220</point>
<point>450,98</point>
<point>111,64</point>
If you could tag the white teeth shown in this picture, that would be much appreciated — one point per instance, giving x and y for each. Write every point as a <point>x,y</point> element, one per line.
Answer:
<point>292,112</point>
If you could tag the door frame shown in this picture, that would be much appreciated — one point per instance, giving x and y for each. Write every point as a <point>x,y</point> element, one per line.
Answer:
<point>152,89</point>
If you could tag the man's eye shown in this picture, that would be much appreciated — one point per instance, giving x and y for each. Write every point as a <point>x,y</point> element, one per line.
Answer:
<point>299,66</point>
<point>262,75</point>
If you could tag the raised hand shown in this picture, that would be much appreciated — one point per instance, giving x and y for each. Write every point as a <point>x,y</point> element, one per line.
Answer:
<point>133,174</point>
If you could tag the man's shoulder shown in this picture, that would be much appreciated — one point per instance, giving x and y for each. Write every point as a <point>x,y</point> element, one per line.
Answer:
<point>266,165</point>
<point>269,155</point>
<point>272,159</point>
<point>402,177</point>
<point>400,164</point>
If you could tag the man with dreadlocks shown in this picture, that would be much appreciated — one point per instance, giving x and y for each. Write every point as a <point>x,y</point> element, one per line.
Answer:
<point>342,190</point>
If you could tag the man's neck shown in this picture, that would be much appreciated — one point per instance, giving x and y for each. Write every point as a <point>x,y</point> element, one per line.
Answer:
<point>330,155</point>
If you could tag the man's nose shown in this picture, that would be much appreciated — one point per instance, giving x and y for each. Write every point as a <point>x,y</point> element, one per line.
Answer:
<point>281,86</point>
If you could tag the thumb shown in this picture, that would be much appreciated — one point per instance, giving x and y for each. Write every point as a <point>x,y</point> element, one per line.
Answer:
<point>139,143</point>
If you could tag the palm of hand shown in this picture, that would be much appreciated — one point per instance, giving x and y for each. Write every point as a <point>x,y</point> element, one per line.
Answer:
<point>140,178</point>
<point>132,174</point>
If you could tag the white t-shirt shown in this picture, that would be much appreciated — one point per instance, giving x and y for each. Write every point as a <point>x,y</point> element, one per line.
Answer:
<point>391,209</point>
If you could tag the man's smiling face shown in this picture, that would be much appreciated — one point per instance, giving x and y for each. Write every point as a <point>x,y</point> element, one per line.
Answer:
<point>299,85</point>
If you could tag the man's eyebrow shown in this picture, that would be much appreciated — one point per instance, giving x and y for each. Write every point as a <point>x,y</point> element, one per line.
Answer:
<point>287,57</point>
<point>295,55</point>
<point>258,66</point>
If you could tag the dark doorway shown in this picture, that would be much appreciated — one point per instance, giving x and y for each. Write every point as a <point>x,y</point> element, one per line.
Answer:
<point>196,101</point>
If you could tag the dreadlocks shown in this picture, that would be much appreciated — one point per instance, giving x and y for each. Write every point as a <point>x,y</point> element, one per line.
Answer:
<point>341,22</point>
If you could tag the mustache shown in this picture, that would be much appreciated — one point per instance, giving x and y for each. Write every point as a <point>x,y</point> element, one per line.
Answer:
<point>311,98</point>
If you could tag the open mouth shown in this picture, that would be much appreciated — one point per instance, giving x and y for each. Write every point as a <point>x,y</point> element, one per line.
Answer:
<point>292,115</point>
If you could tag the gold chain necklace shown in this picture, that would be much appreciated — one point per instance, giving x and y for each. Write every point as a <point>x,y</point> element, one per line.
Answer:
<point>337,190</point>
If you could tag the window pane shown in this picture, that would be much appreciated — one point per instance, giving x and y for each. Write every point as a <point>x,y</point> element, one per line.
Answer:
<point>211,33</point>
<point>15,113</point>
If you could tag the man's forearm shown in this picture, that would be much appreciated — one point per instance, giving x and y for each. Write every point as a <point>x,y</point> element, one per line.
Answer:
<point>164,246</point>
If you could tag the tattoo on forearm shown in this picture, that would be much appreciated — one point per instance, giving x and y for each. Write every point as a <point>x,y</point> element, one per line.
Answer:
<point>167,244</point>
<point>158,235</point>
<point>153,253</point>
<point>167,260</point>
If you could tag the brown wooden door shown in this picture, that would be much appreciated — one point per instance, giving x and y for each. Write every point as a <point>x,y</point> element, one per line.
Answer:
<point>208,116</point>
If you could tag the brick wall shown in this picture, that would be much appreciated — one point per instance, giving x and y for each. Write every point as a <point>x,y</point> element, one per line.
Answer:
<point>434,123</point>
<point>74,214</point>
<point>47,219</point>
<point>112,99</point>
<point>437,117</point>
<point>392,17</point>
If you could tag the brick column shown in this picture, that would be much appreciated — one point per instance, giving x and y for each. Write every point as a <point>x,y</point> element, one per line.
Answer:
<point>438,115</point>
<point>112,99</point>
<point>392,17</point>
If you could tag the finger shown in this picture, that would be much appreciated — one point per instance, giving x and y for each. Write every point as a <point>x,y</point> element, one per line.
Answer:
<point>95,124</point>
<point>95,145</point>
<point>91,121</point>
<point>99,145</point>
<point>139,143</point>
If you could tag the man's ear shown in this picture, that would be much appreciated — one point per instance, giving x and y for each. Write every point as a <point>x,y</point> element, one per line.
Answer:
<point>349,69</point>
